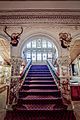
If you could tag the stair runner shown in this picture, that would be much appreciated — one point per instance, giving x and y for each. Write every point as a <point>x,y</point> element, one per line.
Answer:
<point>39,91</point>
<point>39,98</point>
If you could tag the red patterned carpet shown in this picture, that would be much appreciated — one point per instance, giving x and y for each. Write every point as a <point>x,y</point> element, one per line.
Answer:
<point>55,115</point>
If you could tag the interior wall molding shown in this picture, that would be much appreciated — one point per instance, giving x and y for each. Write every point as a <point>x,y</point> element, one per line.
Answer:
<point>65,17</point>
<point>40,10</point>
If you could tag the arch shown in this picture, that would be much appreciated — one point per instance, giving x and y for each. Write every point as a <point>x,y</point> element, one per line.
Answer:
<point>4,37</point>
<point>75,37</point>
<point>51,37</point>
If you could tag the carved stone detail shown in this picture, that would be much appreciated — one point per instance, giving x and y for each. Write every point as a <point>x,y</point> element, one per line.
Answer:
<point>14,83</point>
<point>15,63</point>
<point>64,61</point>
<point>40,16</point>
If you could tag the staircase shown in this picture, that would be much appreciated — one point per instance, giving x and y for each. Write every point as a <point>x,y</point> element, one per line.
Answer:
<point>39,91</point>
<point>39,98</point>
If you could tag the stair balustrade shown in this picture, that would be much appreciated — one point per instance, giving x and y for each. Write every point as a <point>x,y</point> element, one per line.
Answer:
<point>53,71</point>
<point>63,86</point>
<point>14,84</point>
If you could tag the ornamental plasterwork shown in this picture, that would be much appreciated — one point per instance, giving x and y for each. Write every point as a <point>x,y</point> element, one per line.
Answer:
<point>64,60</point>
<point>40,12</point>
<point>40,16</point>
<point>15,60</point>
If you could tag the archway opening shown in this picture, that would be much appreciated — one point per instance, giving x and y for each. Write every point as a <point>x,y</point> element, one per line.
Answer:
<point>39,48</point>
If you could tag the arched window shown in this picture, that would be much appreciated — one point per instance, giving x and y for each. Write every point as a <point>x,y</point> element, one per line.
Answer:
<point>39,48</point>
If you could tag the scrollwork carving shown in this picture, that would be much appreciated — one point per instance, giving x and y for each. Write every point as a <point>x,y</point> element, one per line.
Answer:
<point>65,39</point>
<point>40,16</point>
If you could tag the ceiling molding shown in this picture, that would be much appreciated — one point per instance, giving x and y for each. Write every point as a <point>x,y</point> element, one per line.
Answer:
<point>40,10</point>
<point>64,17</point>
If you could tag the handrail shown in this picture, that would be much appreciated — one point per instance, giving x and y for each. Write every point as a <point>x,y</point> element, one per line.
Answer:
<point>62,85</point>
<point>22,78</point>
<point>53,71</point>
<point>25,69</point>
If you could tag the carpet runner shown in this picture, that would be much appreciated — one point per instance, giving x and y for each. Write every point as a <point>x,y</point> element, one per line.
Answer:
<point>39,98</point>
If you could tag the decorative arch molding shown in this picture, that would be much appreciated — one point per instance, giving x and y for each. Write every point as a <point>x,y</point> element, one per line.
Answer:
<point>4,37</point>
<point>51,37</point>
<point>75,37</point>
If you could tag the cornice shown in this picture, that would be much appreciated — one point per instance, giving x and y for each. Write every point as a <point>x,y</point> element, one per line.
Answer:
<point>70,17</point>
<point>41,10</point>
<point>40,17</point>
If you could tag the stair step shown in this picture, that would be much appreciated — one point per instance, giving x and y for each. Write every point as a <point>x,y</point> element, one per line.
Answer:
<point>39,90</point>
<point>40,97</point>
<point>39,107</point>
<point>39,78</point>
<point>39,82</point>
<point>39,72</point>
<point>24,93</point>
<point>39,86</point>
<point>39,75</point>
<point>37,99</point>
<point>39,67</point>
